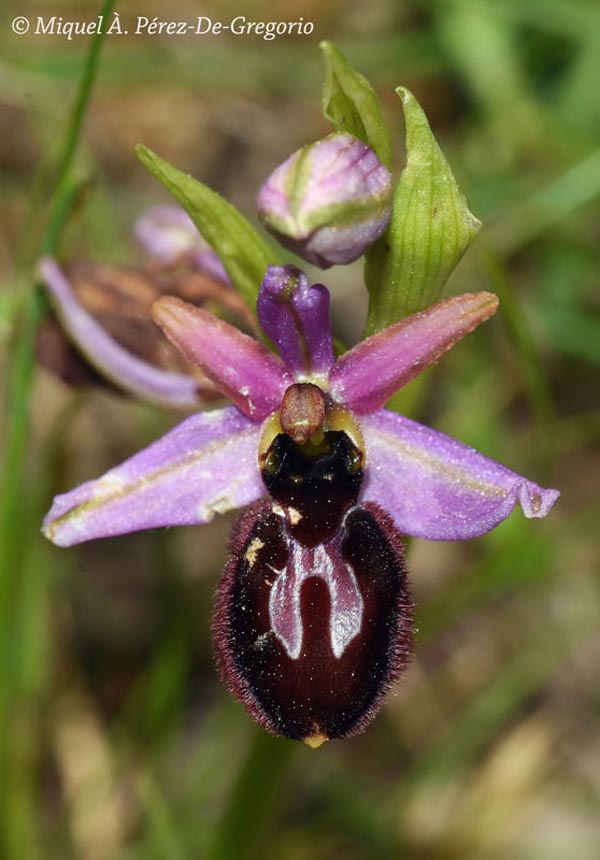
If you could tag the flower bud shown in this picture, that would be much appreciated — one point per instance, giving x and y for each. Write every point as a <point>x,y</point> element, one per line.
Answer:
<point>167,233</point>
<point>329,201</point>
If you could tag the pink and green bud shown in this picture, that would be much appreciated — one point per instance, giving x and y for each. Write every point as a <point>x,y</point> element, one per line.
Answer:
<point>329,201</point>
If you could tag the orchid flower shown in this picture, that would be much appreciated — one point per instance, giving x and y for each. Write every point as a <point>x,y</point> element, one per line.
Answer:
<point>313,613</point>
<point>181,261</point>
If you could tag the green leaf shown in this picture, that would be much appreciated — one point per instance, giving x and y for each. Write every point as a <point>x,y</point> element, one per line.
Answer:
<point>430,230</point>
<point>242,250</point>
<point>351,105</point>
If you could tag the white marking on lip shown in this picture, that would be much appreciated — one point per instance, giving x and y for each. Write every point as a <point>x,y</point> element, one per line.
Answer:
<point>347,605</point>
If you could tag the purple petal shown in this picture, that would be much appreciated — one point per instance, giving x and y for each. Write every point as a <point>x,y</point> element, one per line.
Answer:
<point>296,318</point>
<point>437,488</point>
<point>251,376</point>
<point>208,261</point>
<point>204,466</point>
<point>366,377</point>
<point>168,231</point>
<point>109,358</point>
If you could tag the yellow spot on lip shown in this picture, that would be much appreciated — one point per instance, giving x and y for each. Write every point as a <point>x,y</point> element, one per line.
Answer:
<point>252,551</point>
<point>294,515</point>
<point>315,741</point>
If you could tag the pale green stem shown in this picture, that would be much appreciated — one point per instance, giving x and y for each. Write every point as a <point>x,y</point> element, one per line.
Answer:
<point>18,512</point>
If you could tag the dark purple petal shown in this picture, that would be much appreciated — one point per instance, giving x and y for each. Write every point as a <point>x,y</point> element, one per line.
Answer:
<point>295,316</point>
<point>108,357</point>
<point>311,638</point>
<point>437,488</point>
<point>251,376</point>
<point>204,466</point>
<point>166,232</point>
<point>369,374</point>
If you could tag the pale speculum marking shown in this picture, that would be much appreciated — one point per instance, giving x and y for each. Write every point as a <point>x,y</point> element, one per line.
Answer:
<point>345,619</point>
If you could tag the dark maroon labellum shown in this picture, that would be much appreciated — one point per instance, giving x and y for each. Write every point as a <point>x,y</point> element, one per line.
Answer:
<point>314,484</point>
<point>313,618</point>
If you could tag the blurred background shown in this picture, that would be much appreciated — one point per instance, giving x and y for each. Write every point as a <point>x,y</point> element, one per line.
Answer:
<point>116,738</point>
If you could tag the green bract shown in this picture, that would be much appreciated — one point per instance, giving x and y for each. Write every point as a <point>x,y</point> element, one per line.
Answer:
<point>430,230</point>
<point>431,225</point>
<point>242,250</point>
<point>351,104</point>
